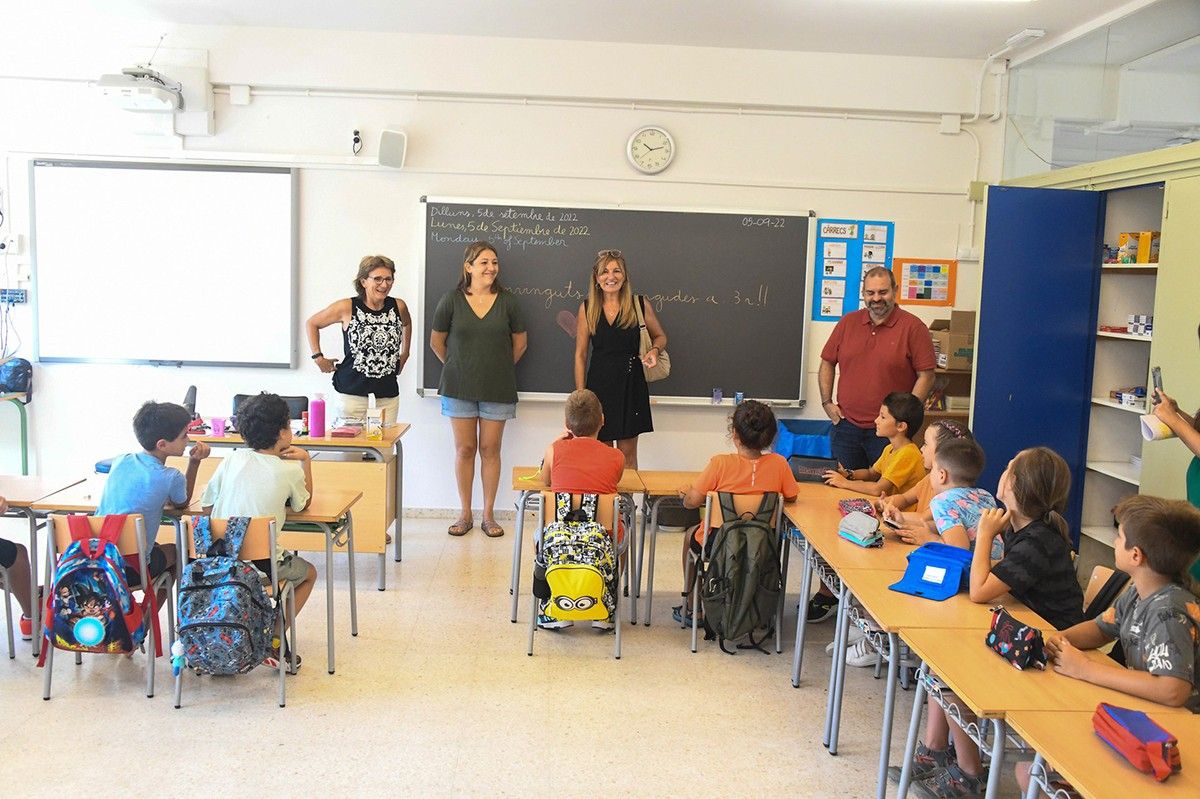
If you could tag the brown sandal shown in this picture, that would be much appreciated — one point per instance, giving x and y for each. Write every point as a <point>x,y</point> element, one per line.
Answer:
<point>461,527</point>
<point>491,529</point>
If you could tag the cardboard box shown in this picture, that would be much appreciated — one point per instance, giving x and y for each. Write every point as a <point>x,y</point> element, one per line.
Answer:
<point>963,322</point>
<point>953,350</point>
<point>1138,248</point>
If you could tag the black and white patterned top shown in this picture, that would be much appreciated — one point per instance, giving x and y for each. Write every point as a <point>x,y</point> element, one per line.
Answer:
<point>372,343</point>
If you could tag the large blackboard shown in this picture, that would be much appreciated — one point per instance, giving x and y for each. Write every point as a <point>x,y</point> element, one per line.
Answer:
<point>729,288</point>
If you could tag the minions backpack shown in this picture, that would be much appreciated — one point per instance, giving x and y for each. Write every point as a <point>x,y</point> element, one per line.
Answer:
<point>576,568</point>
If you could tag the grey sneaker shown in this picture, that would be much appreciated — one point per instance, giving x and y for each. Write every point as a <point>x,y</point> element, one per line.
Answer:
<point>950,782</point>
<point>925,762</point>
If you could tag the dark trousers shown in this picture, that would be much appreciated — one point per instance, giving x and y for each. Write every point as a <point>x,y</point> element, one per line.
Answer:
<point>855,447</point>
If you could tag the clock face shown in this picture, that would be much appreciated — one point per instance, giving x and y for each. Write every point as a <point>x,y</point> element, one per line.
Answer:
<point>650,149</point>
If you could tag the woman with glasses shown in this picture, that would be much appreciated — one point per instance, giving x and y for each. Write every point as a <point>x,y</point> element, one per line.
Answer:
<point>608,321</point>
<point>376,331</point>
<point>478,333</point>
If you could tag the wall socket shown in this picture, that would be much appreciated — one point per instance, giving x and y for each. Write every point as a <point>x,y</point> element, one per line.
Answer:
<point>10,296</point>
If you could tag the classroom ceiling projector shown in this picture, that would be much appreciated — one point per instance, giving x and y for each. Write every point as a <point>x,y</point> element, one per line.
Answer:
<point>142,89</point>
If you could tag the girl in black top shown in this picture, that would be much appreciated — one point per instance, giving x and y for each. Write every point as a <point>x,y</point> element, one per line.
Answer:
<point>376,332</point>
<point>608,322</point>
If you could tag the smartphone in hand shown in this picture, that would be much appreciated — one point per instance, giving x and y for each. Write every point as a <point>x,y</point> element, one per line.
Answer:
<point>1156,377</point>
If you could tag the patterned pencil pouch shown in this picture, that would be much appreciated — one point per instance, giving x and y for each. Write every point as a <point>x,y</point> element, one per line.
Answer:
<point>1019,644</point>
<point>848,506</point>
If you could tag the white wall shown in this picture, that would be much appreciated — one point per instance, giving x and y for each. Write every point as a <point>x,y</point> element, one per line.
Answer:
<point>573,152</point>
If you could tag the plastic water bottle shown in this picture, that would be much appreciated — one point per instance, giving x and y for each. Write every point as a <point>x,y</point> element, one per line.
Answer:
<point>316,417</point>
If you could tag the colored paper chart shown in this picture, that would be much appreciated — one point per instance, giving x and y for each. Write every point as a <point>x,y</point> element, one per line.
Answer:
<point>928,281</point>
<point>845,249</point>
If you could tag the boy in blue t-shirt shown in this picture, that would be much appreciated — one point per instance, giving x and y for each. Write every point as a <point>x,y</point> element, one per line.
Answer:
<point>142,483</point>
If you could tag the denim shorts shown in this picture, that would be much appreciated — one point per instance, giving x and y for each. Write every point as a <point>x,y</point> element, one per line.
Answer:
<point>470,409</point>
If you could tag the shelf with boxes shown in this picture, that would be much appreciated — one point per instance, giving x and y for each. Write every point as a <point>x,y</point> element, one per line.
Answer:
<point>954,351</point>
<point>1125,314</point>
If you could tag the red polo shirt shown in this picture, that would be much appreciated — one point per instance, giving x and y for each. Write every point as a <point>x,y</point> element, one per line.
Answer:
<point>875,360</point>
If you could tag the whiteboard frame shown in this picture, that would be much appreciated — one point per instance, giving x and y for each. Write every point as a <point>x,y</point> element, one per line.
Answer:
<point>294,300</point>
<point>655,399</point>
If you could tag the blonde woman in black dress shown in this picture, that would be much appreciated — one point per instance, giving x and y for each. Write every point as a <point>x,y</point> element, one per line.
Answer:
<point>607,321</point>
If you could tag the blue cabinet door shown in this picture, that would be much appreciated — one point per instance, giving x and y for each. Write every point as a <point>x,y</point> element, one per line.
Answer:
<point>1037,328</point>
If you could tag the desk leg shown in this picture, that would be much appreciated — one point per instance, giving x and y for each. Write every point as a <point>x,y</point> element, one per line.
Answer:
<point>641,543</point>
<point>783,575</point>
<point>889,709</point>
<point>514,586</point>
<point>353,589</point>
<point>382,572</point>
<point>1038,778</point>
<point>838,669</point>
<point>999,731</point>
<point>329,653</point>
<point>33,579</point>
<point>399,502</point>
<point>802,616</point>
<point>653,546</point>
<point>910,743</point>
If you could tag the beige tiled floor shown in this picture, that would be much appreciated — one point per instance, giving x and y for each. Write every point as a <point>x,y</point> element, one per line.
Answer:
<point>437,697</point>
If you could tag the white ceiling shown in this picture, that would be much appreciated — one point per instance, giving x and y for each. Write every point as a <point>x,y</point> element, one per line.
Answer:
<point>936,28</point>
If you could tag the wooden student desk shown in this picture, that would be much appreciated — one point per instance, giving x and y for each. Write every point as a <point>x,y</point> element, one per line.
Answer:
<point>327,476</point>
<point>1066,741</point>
<point>992,688</point>
<point>957,620</point>
<point>815,517</point>
<point>529,498</point>
<point>660,489</point>
<point>21,493</point>
<point>378,472</point>
<point>326,511</point>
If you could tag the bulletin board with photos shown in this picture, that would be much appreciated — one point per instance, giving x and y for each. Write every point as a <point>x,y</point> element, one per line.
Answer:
<point>845,249</point>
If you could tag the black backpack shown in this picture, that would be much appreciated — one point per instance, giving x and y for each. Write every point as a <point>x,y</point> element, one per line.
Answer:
<point>740,585</point>
<point>16,377</point>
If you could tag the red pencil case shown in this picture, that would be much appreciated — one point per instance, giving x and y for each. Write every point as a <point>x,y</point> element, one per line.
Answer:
<point>1137,738</point>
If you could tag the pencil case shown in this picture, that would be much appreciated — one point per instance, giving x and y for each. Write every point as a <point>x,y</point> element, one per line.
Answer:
<point>1019,644</point>
<point>1137,738</point>
<point>848,506</point>
<point>860,529</point>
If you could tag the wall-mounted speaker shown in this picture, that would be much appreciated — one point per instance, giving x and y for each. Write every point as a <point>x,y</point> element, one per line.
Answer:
<point>392,144</point>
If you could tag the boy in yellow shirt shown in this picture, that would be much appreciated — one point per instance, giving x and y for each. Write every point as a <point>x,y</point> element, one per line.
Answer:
<point>901,466</point>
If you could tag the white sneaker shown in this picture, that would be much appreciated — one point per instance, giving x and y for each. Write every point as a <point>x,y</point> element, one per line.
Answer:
<point>553,624</point>
<point>853,636</point>
<point>603,625</point>
<point>862,654</point>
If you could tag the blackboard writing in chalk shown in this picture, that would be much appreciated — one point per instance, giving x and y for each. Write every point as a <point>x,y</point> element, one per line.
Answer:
<point>728,288</point>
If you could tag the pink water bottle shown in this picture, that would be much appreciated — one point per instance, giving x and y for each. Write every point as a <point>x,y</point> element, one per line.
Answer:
<point>316,417</point>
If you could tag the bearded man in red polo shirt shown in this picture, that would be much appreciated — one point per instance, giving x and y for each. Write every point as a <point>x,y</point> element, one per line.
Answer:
<point>877,350</point>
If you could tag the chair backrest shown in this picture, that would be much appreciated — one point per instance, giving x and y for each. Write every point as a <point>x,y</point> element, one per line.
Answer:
<point>605,511</point>
<point>296,405</point>
<point>1100,575</point>
<point>255,546</point>
<point>742,503</point>
<point>127,542</point>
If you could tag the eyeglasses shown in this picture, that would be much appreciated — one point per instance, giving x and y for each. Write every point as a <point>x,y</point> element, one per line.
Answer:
<point>378,279</point>
<point>609,254</point>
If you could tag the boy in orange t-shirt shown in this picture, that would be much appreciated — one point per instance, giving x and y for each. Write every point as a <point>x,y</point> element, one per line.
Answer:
<point>578,463</point>
<point>748,471</point>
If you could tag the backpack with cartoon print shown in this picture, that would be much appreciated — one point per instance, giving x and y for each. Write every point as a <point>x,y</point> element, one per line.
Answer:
<point>226,620</point>
<point>90,607</point>
<point>576,569</point>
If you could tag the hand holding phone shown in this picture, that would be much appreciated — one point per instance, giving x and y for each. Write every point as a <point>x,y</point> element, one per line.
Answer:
<point>1156,377</point>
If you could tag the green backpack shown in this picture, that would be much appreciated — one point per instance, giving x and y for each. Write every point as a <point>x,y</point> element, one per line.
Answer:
<point>740,585</point>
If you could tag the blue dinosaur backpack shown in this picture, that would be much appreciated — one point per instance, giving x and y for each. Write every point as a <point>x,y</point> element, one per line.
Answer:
<point>226,620</point>
<point>90,607</point>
